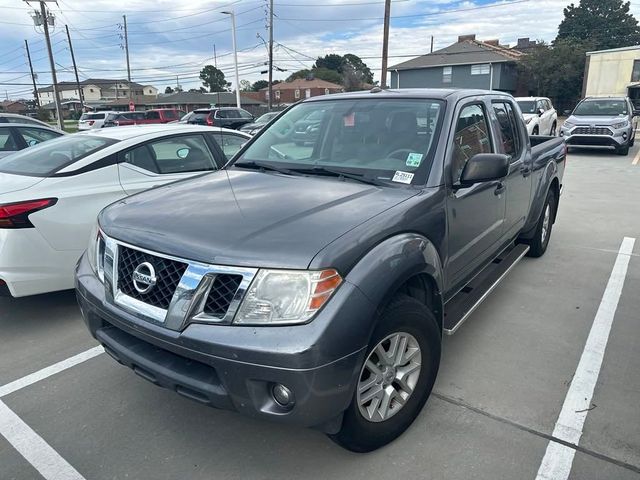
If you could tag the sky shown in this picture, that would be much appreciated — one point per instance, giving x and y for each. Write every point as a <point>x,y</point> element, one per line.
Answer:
<point>169,38</point>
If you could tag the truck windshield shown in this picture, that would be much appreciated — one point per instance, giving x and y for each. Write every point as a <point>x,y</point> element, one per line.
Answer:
<point>49,157</point>
<point>527,106</point>
<point>384,140</point>
<point>601,107</point>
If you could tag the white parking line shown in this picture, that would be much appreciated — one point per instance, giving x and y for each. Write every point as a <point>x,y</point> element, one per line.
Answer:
<point>558,458</point>
<point>636,159</point>
<point>50,370</point>
<point>34,449</point>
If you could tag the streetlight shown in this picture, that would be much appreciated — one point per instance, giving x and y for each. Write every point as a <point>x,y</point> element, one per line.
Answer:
<point>235,54</point>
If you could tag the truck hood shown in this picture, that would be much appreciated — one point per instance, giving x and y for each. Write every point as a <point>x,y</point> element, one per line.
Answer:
<point>604,120</point>
<point>247,218</point>
<point>10,183</point>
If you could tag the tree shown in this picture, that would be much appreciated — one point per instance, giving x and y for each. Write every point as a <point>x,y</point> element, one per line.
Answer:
<point>356,64</point>
<point>245,86</point>
<point>198,90</point>
<point>259,85</point>
<point>330,62</point>
<point>213,79</point>
<point>168,90</point>
<point>557,71</point>
<point>603,23</point>
<point>321,73</point>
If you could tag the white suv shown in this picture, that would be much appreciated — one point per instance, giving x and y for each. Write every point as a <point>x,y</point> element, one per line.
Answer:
<point>89,121</point>
<point>539,115</point>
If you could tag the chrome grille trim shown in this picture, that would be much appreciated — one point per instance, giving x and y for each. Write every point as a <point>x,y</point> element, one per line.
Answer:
<point>188,302</point>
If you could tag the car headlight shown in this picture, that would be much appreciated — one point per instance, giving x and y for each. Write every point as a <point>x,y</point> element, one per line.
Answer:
<point>277,297</point>
<point>95,252</point>
<point>528,121</point>
<point>620,124</point>
<point>567,125</point>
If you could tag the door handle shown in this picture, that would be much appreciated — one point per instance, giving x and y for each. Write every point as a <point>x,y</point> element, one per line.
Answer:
<point>526,171</point>
<point>500,189</point>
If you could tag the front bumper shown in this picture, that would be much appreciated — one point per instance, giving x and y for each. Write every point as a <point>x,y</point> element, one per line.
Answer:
<point>235,367</point>
<point>616,138</point>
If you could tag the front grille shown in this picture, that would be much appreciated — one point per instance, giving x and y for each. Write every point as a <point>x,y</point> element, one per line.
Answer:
<point>221,294</point>
<point>592,131</point>
<point>168,274</point>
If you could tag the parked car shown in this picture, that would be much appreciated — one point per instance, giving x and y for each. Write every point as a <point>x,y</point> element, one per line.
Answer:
<point>17,136</point>
<point>602,122</point>
<point>539,115</point>
<point>307,129</point>
<point>227,117</point>
<point>312,286</point>
<point>50,194</point>
<point>124,119</point>
<point>254,127</point>
<point>95,120</point>
<point>148,117</point>
<point>23,119</point>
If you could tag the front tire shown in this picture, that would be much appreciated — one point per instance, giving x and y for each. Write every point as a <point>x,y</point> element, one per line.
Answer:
<point>396,379</point>
<point>624,150</point>
<point>540,241</point>
<point>536,131</point>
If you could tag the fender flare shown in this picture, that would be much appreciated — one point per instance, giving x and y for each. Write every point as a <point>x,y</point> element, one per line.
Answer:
<point>391,263</point>
<point>540,195</point>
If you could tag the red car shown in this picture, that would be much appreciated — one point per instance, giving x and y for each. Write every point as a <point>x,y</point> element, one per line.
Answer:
<point>159,115</point>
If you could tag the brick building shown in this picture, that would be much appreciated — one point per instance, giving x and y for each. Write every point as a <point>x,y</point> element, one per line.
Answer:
<point>286,93</point>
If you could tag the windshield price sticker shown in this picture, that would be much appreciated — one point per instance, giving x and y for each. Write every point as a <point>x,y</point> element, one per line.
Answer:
<point>402,177</point>
<point>414,159</point>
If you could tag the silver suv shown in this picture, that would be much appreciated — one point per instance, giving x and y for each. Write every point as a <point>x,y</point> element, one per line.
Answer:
<point>602,122</point>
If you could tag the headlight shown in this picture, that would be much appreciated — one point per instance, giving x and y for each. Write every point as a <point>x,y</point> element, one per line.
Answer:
<point>528,120</point>
<point>278,297</point>
<point>620,124</point>
<point>95,252</point>
<point>567,125</point>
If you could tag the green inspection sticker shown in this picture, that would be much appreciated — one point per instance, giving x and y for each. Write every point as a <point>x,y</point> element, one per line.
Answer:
<point>414,159</point>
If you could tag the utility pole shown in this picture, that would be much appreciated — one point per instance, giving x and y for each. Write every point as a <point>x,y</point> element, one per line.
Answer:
<point>385,43</point>
<point>232,14</point>
<point>75,69</point>
<point>33,77</point>
<point>54,78</point>
<point>215,64</point>
<point>431,44</point>
<point>126,49</point>
<point>270,104</point>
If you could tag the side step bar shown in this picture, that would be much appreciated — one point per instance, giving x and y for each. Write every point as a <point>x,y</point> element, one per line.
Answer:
<point>460,307</point>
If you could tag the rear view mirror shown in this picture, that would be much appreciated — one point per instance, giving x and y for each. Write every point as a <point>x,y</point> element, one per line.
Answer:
<point>182,152</point>
<point>485,167</point>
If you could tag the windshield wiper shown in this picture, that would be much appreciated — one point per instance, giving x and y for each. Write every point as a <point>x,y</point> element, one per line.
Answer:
<point>340,174</point>
<point>264,166</point>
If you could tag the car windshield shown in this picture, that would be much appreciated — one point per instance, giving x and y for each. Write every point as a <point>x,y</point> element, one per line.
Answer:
<point>527,106</point>
<point>383,140</point>
<point>602,107</point>
<point>266,118</point>
<point>92,116</point>
<point>49,157</point>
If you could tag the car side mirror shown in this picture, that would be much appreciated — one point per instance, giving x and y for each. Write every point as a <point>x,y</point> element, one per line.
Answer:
<point>182,153</point>
<point>540,112</point>
<point>485,167</point>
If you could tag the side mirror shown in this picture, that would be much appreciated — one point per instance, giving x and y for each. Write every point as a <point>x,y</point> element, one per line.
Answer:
<point>182,153</point>
<point>540,112</point>
<point>485,167</point>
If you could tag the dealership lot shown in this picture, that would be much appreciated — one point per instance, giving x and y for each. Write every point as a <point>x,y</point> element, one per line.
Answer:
<point>503,380</point>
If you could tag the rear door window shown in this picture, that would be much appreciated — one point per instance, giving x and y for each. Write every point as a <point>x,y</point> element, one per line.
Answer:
<point>244,114</point>
<point>508,129</point>
<point>229,143</point>
<point>189,153</point>
<point>34,136</point>
<point>152,115</point>
<point>170,115</point>
<point>93,116</point>
<point>471,137</point>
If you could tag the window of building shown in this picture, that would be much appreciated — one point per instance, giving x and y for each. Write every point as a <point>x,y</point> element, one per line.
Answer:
<point>447,74</point>
<point>277,95</point>
<point>635,75</point>
<point>326,91</point>
<point>480,69</point>
<point>296,94</point>
<point>307,93</point>
<point>91,90</point>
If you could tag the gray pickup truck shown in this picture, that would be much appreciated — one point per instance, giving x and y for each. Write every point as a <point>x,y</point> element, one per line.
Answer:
<point>311,284</point>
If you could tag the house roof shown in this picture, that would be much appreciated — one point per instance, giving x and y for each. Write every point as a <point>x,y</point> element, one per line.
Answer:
<point>302,83</point>
<point>98,82</point>
<point>621,49</point>
<point>197,98</point>
<point>7,103</point>
<point>463,52</point>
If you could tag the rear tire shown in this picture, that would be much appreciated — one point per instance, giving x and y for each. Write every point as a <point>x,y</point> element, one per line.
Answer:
<point>367,424</point>
<point>540,241</point>
<point>536,131</point>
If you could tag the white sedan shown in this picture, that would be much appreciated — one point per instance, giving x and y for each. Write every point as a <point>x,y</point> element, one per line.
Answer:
<point>50,194</point>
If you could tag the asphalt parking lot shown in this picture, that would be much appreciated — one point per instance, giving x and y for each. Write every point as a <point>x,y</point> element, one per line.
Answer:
<point>502,385</point>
